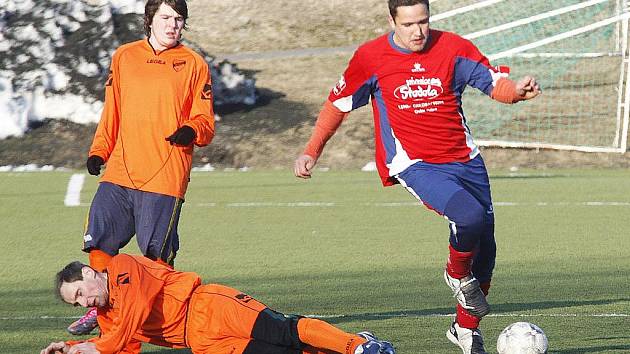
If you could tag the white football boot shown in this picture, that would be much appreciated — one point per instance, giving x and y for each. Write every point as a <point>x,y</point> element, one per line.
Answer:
<point>469,340</point>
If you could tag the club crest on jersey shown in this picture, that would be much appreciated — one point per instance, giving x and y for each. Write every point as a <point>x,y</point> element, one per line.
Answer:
<point>206,94</point>
<point>417,68</point>
<point>340,86</point>
<point>418,89</point>
<point>178,64</point>
<point>122,278</point>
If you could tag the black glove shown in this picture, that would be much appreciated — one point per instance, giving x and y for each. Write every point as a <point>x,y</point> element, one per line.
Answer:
<point>182,136</point>
<point>94,164</point>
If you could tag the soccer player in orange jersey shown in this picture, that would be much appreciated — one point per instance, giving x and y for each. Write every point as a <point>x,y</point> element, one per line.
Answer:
<point>158,105</point>
<point>139,300</point>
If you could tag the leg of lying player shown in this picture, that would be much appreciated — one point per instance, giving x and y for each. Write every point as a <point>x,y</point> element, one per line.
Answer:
<point>256,329</point>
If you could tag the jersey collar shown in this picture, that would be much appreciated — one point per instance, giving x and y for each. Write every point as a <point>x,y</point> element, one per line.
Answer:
<point>396,47</point>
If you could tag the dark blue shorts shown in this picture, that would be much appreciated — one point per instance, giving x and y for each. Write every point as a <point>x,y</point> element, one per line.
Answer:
<point>117,213</point>
<point>435,184</point>
<point>459,191</point>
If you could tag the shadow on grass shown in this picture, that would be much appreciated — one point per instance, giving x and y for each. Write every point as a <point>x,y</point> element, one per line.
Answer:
<point>545,305</point>
<point>445,311</point>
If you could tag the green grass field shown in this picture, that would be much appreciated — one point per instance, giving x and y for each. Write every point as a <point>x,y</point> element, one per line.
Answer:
<point>362,256</point>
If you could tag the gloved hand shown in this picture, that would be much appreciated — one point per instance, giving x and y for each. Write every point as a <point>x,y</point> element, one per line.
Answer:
<point>94,164</point>
<point>182,136</point>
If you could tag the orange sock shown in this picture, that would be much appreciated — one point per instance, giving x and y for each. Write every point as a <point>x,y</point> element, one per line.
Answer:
<point>99,260</point>
<point>323,336</point>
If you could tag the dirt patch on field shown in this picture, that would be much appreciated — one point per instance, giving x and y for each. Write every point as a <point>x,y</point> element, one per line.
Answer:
<point>224,27</point>
<point>274,131</point>
<point>293,89</point>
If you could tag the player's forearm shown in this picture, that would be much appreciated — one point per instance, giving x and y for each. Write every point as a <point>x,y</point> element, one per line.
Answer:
<point>328,121</point>
<point>505,91</point>
<point>203,125</point>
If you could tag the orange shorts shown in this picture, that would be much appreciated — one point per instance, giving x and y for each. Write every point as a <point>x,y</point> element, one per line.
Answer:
<point>220,320</point>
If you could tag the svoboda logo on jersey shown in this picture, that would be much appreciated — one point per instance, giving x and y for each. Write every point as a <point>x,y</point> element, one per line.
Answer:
<point>417,89</point>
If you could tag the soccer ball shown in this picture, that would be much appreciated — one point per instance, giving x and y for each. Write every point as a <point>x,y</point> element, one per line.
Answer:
<point>522,338</point>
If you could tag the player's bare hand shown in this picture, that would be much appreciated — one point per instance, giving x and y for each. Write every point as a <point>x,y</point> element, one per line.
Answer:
<point>527,88</point>
<point>303,166</point>
<point>84,348</point>
<point>56,348</point>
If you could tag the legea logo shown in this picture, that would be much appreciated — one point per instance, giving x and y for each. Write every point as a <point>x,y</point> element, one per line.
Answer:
<point>419,89</point>
<point>417,68</point>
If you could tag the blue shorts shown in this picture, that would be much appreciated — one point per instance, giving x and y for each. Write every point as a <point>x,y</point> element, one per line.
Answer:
<point>435,184</point>
<point>459,191</point>
<point>117,213</point>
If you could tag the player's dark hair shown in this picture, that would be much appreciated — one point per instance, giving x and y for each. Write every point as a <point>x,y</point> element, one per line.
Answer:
<point>152,7</point>
<point>394,4</point>
<point>70,273</point>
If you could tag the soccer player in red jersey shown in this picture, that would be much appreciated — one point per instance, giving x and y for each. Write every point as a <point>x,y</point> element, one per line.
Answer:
<point>415,77</point>
<point>139,300</point>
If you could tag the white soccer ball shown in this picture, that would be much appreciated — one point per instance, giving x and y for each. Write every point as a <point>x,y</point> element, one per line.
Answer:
<point>522,338</point>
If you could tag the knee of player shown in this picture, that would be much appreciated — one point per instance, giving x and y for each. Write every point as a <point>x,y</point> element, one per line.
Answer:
<point>467,213</point>
<point>476,219</point>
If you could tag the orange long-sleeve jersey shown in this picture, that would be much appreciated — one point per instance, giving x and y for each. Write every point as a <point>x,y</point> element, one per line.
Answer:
<point>148,302</point>
<point>148,96</point>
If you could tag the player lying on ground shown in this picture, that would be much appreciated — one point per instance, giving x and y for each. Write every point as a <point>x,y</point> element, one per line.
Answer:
<point>139,300</point>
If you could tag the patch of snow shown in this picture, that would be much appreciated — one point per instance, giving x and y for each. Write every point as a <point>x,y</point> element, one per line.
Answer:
<point>87,69</point>
<point>48,70</point>
<point>369,167</point>
<point>55,79</point>
<point>32,168</point>
<point>205,168</point>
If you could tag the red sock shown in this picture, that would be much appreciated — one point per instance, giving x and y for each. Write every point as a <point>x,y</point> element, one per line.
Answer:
<point>99,260</point>
<point>322,336</point>
<point>465,319</point>
<point>459,264</point>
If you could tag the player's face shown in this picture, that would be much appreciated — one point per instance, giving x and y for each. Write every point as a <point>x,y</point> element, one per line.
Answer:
<point>411,27</point>
<point>166,28</point>
<point>89,292</point>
